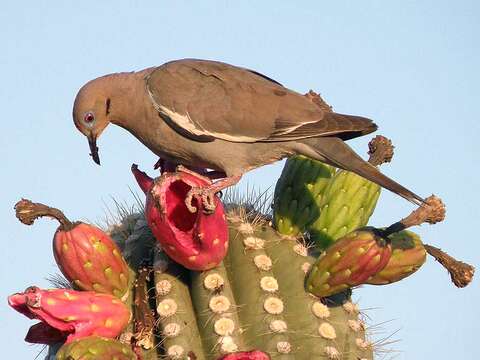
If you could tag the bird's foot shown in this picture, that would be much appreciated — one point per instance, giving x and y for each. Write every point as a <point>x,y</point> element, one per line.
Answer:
<point>205,195</point>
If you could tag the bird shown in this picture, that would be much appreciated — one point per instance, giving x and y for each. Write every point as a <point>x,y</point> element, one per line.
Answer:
<point>205,114</point>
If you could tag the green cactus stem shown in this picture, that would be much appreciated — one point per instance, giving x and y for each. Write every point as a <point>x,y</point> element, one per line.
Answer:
<point>278,315</point>
<point>247,252</point>
<point>217,312</point>
<point>349,199</point>
<point>177,324</point>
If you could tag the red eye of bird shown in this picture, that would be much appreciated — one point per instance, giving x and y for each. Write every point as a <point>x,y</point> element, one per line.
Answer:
<point>89,117</point>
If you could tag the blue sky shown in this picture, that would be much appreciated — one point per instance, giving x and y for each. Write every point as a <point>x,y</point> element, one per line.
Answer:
<point>411,66</point>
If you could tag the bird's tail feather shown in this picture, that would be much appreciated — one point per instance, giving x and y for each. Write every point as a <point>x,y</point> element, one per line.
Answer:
<point>335,152</point>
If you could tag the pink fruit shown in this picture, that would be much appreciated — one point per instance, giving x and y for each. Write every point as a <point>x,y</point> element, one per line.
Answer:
<point>86,255</point>
<point>195,240</point>
<point>67,315</point>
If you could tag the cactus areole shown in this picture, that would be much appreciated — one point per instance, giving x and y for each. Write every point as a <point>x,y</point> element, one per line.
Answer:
<point>195,240</point>
<point>67,315</point>
<point>86,255</point>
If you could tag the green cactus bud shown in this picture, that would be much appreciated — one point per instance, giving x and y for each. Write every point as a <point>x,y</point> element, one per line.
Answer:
<point>408,255</point>
<point>349,199</point>
<point>298,194</point>
<point>95,348</point>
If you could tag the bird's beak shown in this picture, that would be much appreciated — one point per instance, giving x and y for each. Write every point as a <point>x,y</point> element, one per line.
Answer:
<point>92,142</point>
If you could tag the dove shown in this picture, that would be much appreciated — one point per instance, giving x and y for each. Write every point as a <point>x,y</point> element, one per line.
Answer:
<point>212,115</point>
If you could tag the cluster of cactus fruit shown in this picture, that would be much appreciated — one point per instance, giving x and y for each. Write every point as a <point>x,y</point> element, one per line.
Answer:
<point>233,284</point>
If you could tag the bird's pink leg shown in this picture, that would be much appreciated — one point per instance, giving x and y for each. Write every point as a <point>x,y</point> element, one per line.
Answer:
<point>168,166</point>
<point>200,175</point>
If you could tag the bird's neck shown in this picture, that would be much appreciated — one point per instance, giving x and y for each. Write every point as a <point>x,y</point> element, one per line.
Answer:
<point>127,93</point>
<point>130,106</point>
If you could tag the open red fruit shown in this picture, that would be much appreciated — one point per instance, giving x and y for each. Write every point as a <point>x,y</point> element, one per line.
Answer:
<point>195,240</point>
<point>67,315</point>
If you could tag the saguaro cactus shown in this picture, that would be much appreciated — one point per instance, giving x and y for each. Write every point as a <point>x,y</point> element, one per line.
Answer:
<point>237,284</point>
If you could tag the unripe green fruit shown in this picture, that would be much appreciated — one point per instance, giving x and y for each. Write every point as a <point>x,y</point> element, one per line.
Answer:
<point>298,194</point>
<point>347,204</point>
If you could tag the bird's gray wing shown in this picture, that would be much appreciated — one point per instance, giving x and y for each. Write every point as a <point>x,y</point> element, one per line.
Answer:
<point>207,100</point>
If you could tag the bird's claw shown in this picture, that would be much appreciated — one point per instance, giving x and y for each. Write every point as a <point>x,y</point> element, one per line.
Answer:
<point>206,196</point>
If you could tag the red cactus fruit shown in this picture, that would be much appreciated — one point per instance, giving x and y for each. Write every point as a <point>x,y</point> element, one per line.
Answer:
<point>349,262</point>
<point>67,315</point>
<point>86,255</point>
<point>195,240</point>
<point>246,355</point>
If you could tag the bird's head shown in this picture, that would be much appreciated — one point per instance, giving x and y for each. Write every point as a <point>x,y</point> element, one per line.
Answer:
<point>91,113</point>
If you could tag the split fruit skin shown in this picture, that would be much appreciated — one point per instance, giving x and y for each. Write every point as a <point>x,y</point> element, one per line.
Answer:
<point>349,262</point>
<point>198,241</point>
<point>408,255</point>
<point>95,348</point>
<point>67,315</point>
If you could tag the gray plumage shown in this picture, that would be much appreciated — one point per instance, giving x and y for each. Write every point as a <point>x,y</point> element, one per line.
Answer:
<point>213,115</point>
